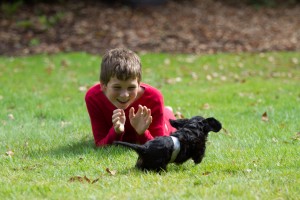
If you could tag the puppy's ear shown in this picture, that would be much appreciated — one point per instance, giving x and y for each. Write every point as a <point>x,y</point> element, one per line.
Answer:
<point>213,125</point>
<point>178,123</point>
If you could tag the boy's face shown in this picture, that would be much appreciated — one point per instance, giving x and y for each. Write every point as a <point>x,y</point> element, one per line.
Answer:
<point>121,93</point>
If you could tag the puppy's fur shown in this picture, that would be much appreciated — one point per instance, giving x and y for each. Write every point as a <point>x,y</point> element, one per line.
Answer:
<point>191,133</point>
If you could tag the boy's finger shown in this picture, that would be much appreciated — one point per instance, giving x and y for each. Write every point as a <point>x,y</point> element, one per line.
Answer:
<point>131,112</point>
<point>140,110</point>
<point>115,120</point>
<point>122,112</point>
<point>149,112</point>
<point>117,111</point>
<point>149,120</point>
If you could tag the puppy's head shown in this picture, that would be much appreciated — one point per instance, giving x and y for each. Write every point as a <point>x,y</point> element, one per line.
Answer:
<point>197,122</point>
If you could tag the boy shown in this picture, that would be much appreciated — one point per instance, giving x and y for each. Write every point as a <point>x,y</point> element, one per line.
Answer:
<point>112,103</point>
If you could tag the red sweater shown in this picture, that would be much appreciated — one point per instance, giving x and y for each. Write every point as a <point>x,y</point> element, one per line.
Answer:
<point>101,109</point>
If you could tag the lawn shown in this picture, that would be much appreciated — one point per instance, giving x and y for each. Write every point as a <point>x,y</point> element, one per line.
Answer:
<point>47,149</point>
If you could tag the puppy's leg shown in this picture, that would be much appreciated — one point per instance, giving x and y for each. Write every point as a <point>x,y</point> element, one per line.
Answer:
<point>197,157</point>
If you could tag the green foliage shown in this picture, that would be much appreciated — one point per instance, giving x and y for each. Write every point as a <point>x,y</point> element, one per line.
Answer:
<point>10,8</point>
<point>47,150</point>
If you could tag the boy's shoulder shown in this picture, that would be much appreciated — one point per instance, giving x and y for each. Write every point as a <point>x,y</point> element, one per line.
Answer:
<point>150,90</point>
<point>95,90</point>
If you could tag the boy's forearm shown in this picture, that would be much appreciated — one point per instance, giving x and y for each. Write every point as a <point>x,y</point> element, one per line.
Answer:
<point>111,136</point>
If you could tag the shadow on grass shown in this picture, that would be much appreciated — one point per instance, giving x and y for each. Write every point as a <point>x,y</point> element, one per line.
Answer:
<point>85,147</point>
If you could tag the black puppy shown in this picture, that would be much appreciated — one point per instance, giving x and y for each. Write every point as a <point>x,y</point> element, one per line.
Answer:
<point>185,143</point>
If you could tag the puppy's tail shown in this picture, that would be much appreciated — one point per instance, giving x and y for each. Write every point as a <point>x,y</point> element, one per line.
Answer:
<point>138,148</point>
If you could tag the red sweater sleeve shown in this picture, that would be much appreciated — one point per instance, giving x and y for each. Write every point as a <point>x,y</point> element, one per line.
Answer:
<point>100,116</point>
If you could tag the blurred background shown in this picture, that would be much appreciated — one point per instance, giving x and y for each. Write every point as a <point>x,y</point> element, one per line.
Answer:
<point>172,26</point>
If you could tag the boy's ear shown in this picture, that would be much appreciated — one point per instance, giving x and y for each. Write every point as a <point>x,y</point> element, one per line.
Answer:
<point>178,123</point>
<point>103,86</point>
<point>213,125</point>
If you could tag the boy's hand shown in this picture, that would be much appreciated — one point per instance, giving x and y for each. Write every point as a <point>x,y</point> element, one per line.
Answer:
<point>118,120</point>
<point>140,120</point>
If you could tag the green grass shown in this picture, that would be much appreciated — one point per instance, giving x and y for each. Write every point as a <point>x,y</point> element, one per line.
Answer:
<point>43,121</point>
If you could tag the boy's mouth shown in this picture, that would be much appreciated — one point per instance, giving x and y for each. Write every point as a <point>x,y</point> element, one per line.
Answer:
<point>122,101</point>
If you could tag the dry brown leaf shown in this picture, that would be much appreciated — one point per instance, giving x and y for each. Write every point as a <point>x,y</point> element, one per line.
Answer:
<point>297,136</point>
<point>111,172</point>
<point>209,77</point>
<point>265,117</point>
<point>11,116</point>
<point>63,123</point>
<point>94,181</point>
<point>206,173</point>
<point>64,63</point>
<point>173,80</point>
<point>206,106</point>
<point>80,179</point>
<point>274,140</point>
<point>167,61</point>
<point>49,69</point>
<point>82,88</point>
<point>179,115</point>
<point>223,78</point>
<point>86,179</point>
<point>10,153</point>
<point>226,132</point>
<point>295,61</point>
<point>194,75</point>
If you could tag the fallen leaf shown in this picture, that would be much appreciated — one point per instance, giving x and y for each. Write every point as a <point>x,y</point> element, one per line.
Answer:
<point>265,117</point>
<point>63,123</point>
<point>26,144</point>
<point>179,115</point>
<point>297,136</point>
<point>271,59</point>
<point>223,78</point>
<point>226,132</point>
<point>80,179</point>
<point>241,65</point>
<point>167,61</point>
<point>4,123</point>
<point>274,140</point>
<point>194,75</point>
<point>86,179</point>
<point>94,181</point>
<point>173,80</point>
<point>295,61</point>
<point>50,68</point>
<point>209,77</point>
<point>64,63</point>
<point>11,116</point>
<point>206,173</point>
<point>111,172</point>
<point>206,106</point>
<point>10,153</point>
<point>82,88</point>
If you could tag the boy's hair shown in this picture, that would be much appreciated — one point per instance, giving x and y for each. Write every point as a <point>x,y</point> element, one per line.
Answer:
<point>121,63</point>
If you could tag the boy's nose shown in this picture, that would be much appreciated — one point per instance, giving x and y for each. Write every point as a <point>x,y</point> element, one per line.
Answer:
<point>124,93</point>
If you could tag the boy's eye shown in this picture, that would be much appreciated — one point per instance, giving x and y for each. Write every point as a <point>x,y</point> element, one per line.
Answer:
<point>131,88</point>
